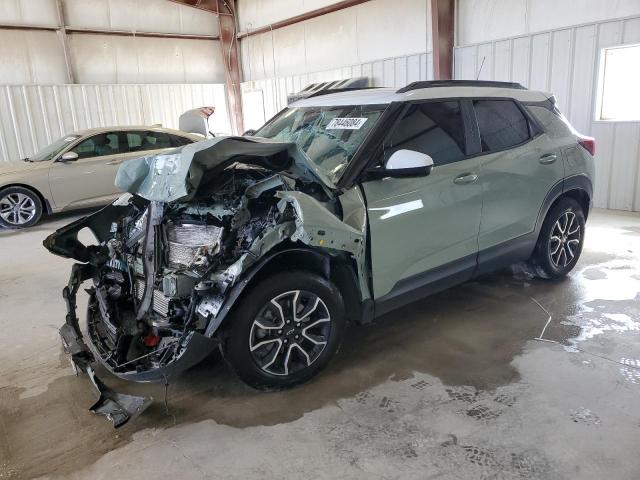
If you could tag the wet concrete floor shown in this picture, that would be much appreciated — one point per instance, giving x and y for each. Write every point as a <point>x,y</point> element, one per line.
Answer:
<point>504,377</point>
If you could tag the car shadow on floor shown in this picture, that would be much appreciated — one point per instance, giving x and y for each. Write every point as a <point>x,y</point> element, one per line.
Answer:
<point>467,335</point>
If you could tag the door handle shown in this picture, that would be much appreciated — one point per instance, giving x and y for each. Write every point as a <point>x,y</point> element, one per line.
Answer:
<point>465,178</point>
<point>548,159</point>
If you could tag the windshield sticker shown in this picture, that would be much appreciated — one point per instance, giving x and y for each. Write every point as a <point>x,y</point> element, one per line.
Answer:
<point>346,124</point>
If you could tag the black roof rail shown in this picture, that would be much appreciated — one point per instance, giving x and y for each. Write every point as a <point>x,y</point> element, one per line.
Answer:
<point>460,83</point>
<point>328,91</point>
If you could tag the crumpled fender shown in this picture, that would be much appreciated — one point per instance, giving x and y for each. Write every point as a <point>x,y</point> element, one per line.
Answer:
<point>317,226</point>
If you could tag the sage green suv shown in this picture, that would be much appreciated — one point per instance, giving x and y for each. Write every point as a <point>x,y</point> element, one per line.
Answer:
<point>341,208</point>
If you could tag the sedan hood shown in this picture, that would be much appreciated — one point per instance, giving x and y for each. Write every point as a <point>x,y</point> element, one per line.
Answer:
<point>176,175</point>
<point>17,167</point>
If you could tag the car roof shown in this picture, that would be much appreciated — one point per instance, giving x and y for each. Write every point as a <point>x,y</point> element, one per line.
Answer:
<point>93,131</point>
<point>423,91</point>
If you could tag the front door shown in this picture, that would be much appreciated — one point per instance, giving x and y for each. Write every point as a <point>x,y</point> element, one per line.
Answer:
<point>89,180</point>
<point>425,227</point>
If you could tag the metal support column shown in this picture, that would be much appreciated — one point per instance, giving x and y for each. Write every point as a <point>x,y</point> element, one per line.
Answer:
<point>442,21</point>
<point>62,33</point>
<point>229,45</point>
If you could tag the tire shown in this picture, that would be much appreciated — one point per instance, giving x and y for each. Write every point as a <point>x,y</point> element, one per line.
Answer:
<point>19,207</point>
<point>264,344</point>
<point>561,240</point>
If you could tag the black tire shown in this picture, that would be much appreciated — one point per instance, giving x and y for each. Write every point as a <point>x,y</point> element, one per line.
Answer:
<point>250,348</point>
<point>28,213</point>
<point>561,240</point>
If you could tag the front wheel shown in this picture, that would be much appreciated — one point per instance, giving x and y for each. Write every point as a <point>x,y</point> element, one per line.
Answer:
<point>285,331</point>
<point>19,207</point>
<point>561,240</point>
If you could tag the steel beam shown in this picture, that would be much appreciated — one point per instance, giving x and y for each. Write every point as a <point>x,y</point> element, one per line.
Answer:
<point>303,17</point>
<point>230,57</point>
<point>62,33</point>
<point>442,25</point>
<point>128,33</point>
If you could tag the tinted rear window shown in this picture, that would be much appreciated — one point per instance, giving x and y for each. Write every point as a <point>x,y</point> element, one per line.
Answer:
<point>502,124</point>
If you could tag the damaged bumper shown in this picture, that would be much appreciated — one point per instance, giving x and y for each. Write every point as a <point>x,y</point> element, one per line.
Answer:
<point>117,407</point>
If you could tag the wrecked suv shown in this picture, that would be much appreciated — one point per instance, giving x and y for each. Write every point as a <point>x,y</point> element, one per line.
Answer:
<point>341,208</point>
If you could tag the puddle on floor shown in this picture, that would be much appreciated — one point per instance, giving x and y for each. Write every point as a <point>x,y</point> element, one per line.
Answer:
<point>466,336</point>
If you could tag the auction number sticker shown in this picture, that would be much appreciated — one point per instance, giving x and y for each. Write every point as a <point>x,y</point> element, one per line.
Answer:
<point>346,123</point>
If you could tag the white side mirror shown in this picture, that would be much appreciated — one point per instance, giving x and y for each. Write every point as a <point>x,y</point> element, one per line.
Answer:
<point>69,157</point>
<point>409,162</point>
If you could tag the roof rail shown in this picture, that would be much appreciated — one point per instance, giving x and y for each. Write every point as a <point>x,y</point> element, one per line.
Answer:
<point>459,83</point>
<point>328,91</point>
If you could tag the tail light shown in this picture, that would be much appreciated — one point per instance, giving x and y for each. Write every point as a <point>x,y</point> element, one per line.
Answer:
<point>588,143</point>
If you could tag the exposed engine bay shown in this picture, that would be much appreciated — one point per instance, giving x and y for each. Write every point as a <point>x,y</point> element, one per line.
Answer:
<point>170,265</point>
<point>165,273</point>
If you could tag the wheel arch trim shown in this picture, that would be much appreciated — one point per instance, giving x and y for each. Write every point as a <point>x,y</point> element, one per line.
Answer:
<point>325,264</point>
<point>580,183</point>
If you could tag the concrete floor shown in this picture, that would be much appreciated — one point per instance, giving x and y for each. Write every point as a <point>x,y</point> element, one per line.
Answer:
<point>459,385</point>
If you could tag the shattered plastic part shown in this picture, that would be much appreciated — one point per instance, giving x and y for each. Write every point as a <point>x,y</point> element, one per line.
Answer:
<point>119,408</point>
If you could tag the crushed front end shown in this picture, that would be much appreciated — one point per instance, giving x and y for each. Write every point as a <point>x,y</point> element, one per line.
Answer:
<point>166,270</point>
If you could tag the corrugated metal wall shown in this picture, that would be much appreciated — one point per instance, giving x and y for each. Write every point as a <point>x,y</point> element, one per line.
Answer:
<point>391,72</point>
<point>357,35</point>
<point>116,59</point>
<point>38,57</point>
<point>565,62</point>
<point>33,116</point>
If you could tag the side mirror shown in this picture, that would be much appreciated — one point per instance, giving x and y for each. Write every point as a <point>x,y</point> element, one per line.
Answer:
<point>249,133</point>
<point>69,157</point>
<point>407,163</point>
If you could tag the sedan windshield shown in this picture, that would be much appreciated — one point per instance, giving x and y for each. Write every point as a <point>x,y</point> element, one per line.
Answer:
<point>330,136</point>
<point>50,151</point>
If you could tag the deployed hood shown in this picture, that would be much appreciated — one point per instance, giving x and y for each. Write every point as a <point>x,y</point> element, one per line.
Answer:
<point>176,175</point>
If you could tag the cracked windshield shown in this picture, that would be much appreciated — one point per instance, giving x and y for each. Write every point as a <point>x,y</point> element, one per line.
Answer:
<point>330,136</point>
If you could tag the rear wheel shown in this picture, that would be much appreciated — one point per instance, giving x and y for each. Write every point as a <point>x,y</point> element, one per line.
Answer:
<point>286,330</point>
<point>561,240</point>
<point>19,207</point>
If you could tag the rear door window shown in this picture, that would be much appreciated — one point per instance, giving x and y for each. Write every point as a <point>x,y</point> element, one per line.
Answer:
<point>99,146</point>
<point>434,128</point>
<point>140,141</point>
<point>502,124</point>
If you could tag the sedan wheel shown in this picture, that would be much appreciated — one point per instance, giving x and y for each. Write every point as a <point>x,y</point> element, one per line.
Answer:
<point>19,207</point>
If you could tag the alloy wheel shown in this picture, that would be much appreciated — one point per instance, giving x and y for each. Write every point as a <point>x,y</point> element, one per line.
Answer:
<point>17,208</point>
<point>290,332</point>
<point>565,239</point>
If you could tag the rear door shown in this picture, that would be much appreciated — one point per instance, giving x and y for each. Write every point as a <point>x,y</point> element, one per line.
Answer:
<point>90,179</point>
<point>519,164</point>
<point>424,228</point>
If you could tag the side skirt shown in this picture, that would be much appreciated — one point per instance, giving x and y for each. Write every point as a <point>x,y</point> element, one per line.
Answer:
<point>422,285</point>
<point>419,286</point>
